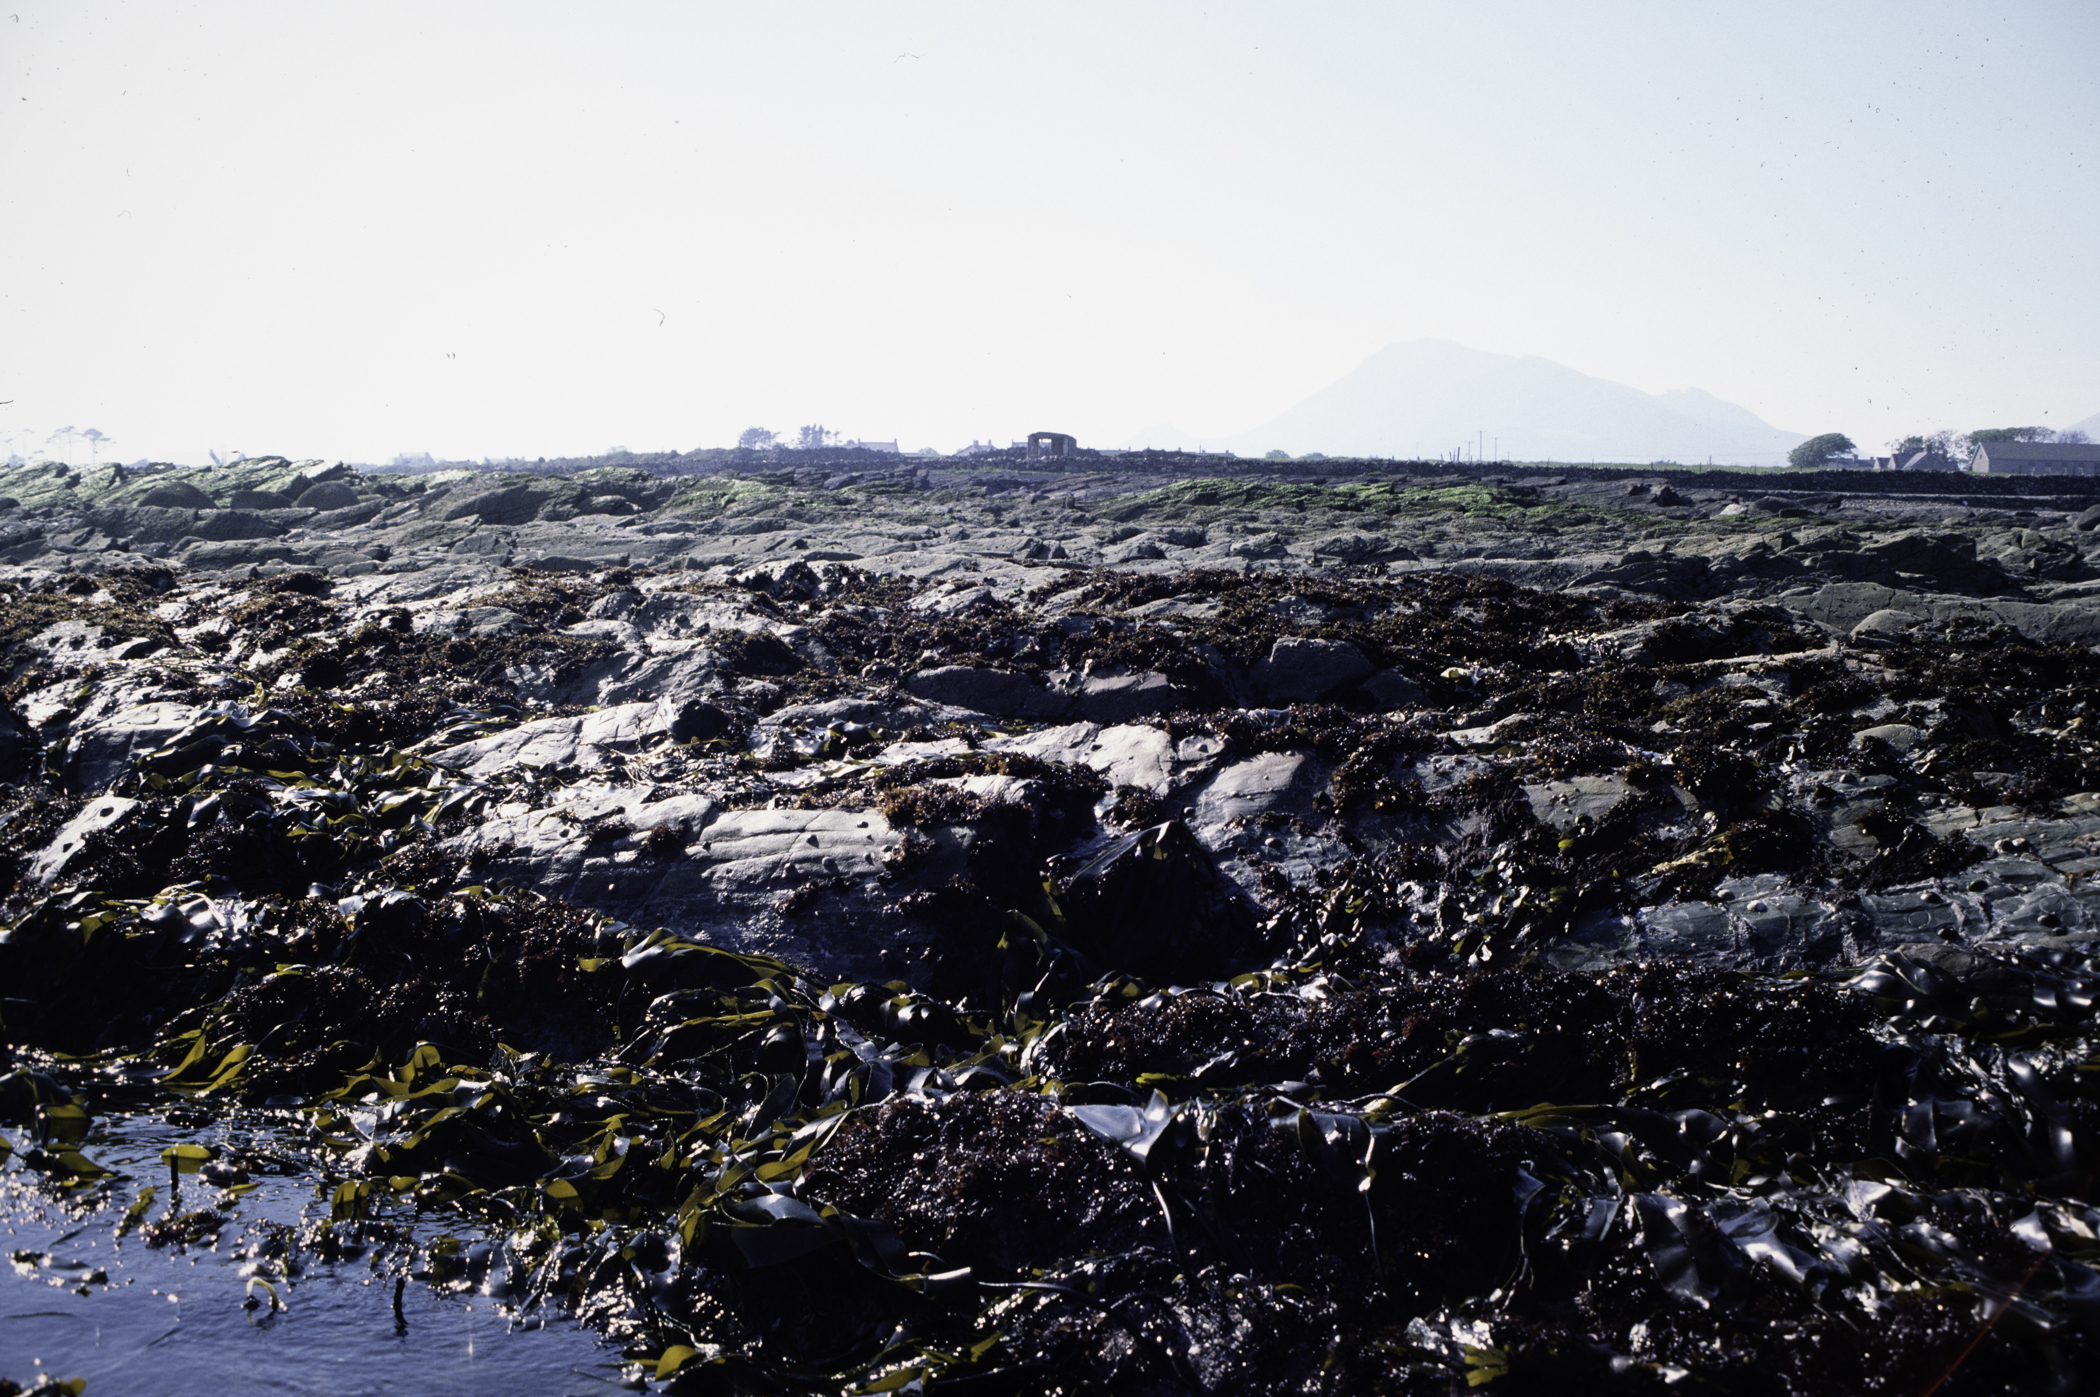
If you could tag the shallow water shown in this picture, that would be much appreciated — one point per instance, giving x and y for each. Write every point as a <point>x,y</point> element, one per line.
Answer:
<point>79,1301</point>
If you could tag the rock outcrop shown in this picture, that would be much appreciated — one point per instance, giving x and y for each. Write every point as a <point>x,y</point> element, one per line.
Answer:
<point>1166,917</point>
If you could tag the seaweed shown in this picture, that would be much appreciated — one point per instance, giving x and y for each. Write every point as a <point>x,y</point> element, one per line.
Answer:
<point>1150,1104</point>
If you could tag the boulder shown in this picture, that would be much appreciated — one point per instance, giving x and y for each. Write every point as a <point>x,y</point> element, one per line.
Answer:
<point>515,504</point>
<point>177,494</point>
<point>1350,548</point>
<point>307,479</point>
<point>329,494</point>
<point>1144,550</point>
<point>2088,519</point>
<point>1260,546</point>
<point>142,524</point>
<point>1901,736</point>
<point>1885,626</point>
<point>345,518</point>
<point>998,692</point>
<point>1301,669</point>
<point>1948,559</point>
<point>259,499</point>
<point>1119,698</point>
<point>733,879</point>
<point>698,720</point>
<point>225,524</point>
<point>1390,688</point>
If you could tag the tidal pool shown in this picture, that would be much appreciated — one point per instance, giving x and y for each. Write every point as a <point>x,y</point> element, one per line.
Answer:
<point>79,1300</point>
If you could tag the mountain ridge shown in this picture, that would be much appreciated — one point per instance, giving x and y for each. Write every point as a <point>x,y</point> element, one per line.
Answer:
<point>1430,398</point>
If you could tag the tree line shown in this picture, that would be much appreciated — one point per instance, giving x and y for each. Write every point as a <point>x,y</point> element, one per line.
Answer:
<point>1943,451</point>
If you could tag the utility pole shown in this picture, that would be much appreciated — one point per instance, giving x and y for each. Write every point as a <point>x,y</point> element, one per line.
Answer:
<point>1480,445</point>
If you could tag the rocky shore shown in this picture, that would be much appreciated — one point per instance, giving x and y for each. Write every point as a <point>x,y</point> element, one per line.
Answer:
<point>1151,925</point>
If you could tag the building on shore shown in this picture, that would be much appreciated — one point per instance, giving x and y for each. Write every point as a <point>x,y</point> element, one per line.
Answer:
<point>1914,461</point>
<point>2037,458</point>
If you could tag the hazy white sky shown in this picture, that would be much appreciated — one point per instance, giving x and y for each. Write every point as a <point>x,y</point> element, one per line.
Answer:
<point>520,229</point>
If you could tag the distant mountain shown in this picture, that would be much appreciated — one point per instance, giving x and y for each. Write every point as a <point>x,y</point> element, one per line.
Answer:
<point>1425,398</point>
<point>2091,426</point>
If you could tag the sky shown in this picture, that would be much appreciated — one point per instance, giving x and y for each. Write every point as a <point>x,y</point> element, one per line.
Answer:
<point>517,229</point>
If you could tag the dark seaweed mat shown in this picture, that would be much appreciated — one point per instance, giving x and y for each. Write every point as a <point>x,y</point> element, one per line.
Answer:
<point>1441,1168</point>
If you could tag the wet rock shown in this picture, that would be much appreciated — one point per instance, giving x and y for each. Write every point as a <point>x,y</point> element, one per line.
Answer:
<point>1249,789</point>
<point>584,743</point>
<point>69,848</point>
<point>98,754</point>
<point>1001,693</point>
<point>1568,804</point>
<point>721,876</point>
<point>1695,931</point>
<point>1121,697</point>
<point>1301,669</point>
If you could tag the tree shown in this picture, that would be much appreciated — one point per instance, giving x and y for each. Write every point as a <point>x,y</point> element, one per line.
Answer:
<point>1276,456</point>
<point>95,439</point>
<point>814,438</point>
<point>64,437</point>
<point>755,439</point>
<point>1817,451</point>
<point>1942,451</point>
<point>1999,436</point>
